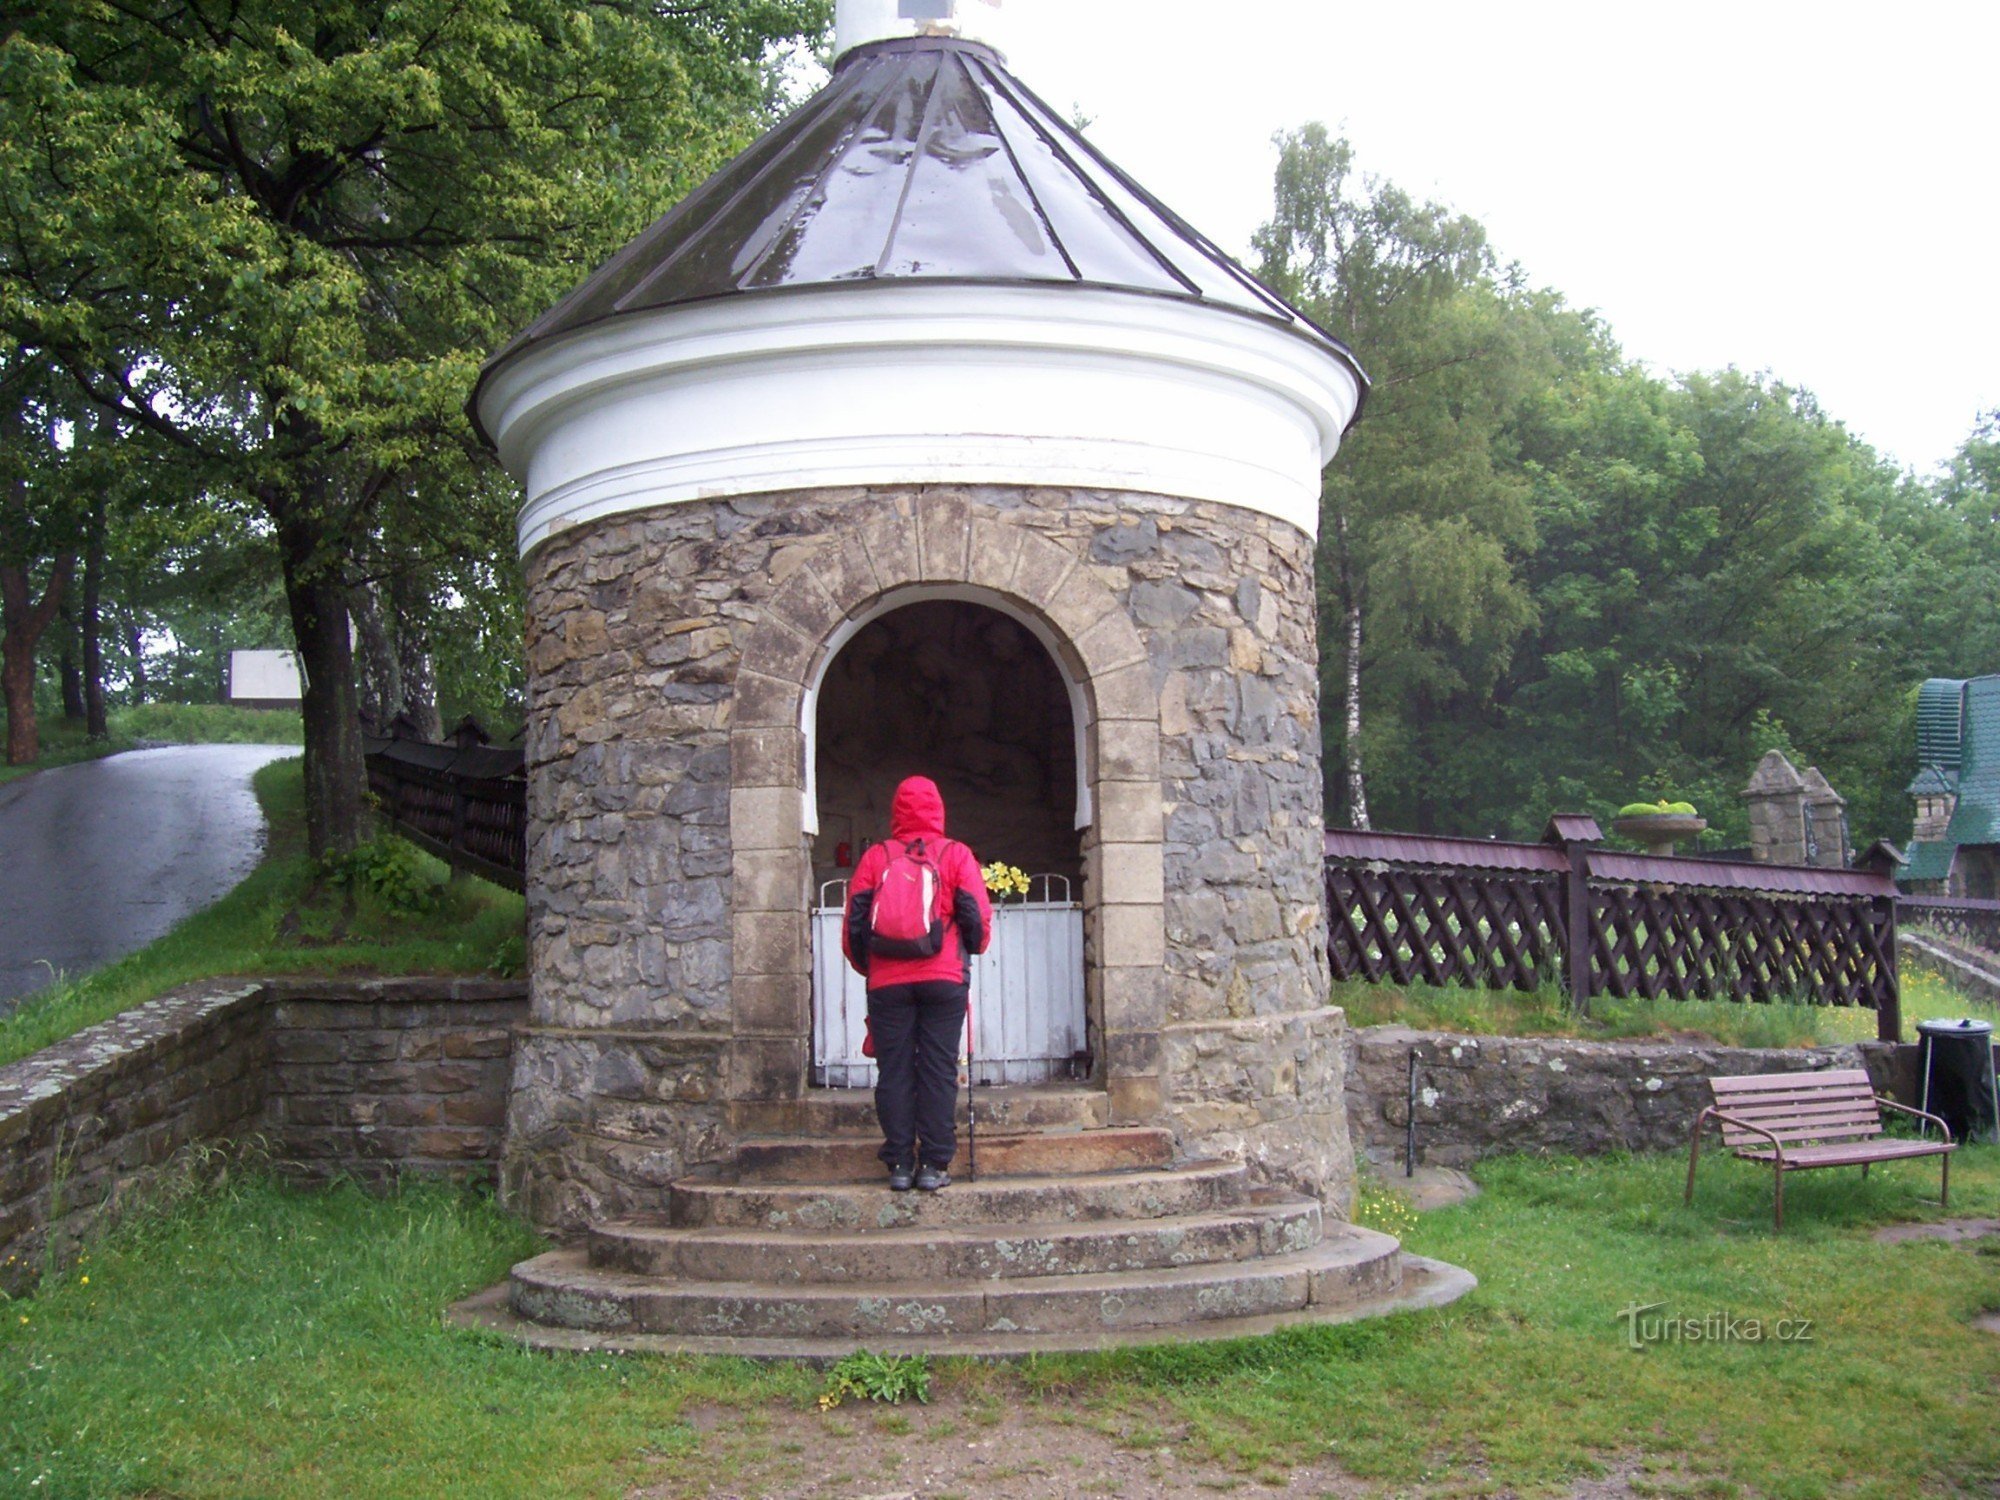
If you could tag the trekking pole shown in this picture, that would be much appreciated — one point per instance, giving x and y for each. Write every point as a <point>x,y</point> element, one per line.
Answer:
<point>971,1107</point>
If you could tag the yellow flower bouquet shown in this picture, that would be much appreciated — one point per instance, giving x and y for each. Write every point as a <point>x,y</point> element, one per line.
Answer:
<point>1003,880</point>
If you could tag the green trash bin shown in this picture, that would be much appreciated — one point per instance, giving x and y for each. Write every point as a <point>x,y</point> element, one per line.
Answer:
<point>1957,1062</point>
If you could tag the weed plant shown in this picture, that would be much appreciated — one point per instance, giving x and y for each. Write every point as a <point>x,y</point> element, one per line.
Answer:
<point>888,1378</point>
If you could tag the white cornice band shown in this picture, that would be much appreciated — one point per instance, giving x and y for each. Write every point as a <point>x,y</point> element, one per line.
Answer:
<point>1060,387</point>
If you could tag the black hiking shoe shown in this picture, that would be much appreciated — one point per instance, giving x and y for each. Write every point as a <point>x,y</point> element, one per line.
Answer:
<point>930,1178</point>
<point>902,1177</point>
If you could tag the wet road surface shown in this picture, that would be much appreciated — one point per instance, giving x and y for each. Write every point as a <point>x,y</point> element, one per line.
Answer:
<point>100,858</point>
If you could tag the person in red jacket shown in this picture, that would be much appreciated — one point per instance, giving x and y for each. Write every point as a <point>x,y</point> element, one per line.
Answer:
<point>916,1006</point>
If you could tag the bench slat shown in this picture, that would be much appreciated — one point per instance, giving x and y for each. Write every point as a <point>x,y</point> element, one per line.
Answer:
<point>1807,1157</point>
<point>1732,1137</point>
<point>1817,1110</point>
<point>1736,1103</point>
<point>1792,1091</point>
<point>1811,1082</point>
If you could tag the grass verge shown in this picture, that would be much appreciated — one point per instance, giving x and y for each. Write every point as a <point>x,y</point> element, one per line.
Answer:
<point>63,742</point>
<point>289,918</point>
<point>1729,1023</point>
<point>264,1341</point>
<point>208,724</point>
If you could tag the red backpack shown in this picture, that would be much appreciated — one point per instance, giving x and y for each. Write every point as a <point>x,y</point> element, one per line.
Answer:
<point>908,916</point>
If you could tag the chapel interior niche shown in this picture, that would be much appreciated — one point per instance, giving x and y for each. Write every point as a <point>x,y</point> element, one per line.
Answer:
<point>965,695</point>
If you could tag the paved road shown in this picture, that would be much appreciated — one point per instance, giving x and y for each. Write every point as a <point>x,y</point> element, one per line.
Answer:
<point>101,858</point>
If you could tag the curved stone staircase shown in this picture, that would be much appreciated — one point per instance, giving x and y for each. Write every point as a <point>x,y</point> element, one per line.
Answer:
<point>1075,1235</point>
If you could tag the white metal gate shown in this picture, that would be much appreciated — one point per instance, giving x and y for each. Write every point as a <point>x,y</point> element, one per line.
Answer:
<point>1027,993</point>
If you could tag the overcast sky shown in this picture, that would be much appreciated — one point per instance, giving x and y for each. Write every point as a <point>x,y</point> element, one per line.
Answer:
<point>1804,189</point>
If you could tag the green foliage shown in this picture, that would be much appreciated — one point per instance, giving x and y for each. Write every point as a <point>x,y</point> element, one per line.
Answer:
<point>1662,808</point>
<point>274,255</point>
<point>64,744</point>
<point>286,919</point>
<point>1423,519</point>
<point>394,870</point>
<point>1571,577</point>
<point>207,724</point>
<point>889,1378</point>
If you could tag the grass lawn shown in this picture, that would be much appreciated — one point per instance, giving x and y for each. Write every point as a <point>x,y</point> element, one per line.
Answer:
<point>1545,1013</point>
<point>264,1342</point>
<point>287,918</point>
<point>208,724</point>
<point>64,743</point>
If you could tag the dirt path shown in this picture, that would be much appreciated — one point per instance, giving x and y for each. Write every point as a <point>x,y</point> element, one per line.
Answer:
<point>973,1447</point>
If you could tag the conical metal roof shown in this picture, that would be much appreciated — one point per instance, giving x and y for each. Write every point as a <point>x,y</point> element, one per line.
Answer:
<point>922,160</point>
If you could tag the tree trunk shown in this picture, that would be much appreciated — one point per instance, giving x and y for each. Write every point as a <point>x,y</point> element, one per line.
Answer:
<point>412,622</point>
<point>23,619</point>
<point>378,678</point>
<point>219,652</point>
<point>95,724</point>
<point>336,776</point>
<point>70,666</point>
<point>1350,602</point>
<point>135,647</point>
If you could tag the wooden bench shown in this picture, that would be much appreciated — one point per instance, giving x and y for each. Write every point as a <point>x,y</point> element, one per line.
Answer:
<point>1798,1121</point>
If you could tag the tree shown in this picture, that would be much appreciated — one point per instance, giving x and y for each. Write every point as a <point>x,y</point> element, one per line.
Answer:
<point>277,241</point>
<point>36,537</point>
<point>1422,517</point>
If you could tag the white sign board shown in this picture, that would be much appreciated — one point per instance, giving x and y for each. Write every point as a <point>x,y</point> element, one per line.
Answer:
<point>264,677</point>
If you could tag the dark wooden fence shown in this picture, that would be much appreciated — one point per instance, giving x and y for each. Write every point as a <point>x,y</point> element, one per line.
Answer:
<point>1417,910</point>
<point>1962,919</point>
<point>1412,909</point>
<point>468,806</point>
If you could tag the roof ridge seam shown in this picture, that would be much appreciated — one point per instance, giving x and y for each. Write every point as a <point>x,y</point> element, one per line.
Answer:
<point>1027,185</point>
<point>925,124</point>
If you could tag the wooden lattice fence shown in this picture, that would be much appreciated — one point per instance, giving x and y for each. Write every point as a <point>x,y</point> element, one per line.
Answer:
<point>1415,910</point>
<point>1962,919</point>
<point>468,806</point>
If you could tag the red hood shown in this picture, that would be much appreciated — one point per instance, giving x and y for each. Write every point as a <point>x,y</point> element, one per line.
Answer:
<point>917,811</point>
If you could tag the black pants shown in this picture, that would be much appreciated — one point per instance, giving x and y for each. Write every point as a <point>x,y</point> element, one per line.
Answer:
<point>917,1029</point>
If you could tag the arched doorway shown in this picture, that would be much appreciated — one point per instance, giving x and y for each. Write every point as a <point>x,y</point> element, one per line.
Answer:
<point>966,693</point>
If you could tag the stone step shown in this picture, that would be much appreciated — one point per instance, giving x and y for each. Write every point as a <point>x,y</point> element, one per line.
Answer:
<point>1032,1154</point>
<point>1422,1284</point>
<point>1348,1266</point>
<point>1277,1225</point>
<point>851,1112</point>
<point>1199,1187</point>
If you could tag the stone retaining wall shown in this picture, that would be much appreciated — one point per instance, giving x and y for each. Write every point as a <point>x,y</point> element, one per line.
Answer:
<point>360,1078</point>
<point>1487,1096</point>
<point>400,1076</point>
<point>1967,967</point>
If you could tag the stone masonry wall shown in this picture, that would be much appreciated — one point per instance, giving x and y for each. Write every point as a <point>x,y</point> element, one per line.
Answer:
<point>1487,1096</point>
<point>363,1078</point>
<point>374,1079</point>
<point>638,629</point>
